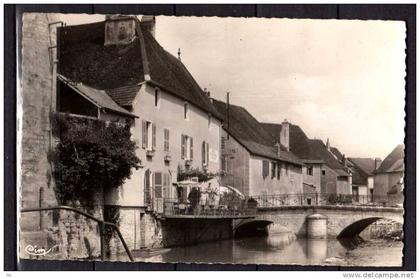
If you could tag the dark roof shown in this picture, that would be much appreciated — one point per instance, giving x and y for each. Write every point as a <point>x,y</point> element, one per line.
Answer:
<point>359,177</point>
<point>124,95</point>
<point>337,153</point>
<point>298,141</point>
<point>305,148</point>
<point>367,165</point>
<point>251,134</point>
<point>98,97</point>
<point>320,151</point>
<point>393,162</point>
<point>84,58</point>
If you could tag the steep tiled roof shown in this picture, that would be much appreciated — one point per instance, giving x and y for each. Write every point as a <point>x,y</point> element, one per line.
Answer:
<point>251,134</point>
<point>84,58</point>
<point>99,97</point>
<point>305,148</point>
<point>365,164</point>
<point>337,153</point>
<point>298,141</point>
<point>124,95</point>
<point>394,161</point>
<point>320,150</point>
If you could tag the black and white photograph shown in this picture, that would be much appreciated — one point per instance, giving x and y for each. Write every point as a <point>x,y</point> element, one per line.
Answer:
<point>211,140</point>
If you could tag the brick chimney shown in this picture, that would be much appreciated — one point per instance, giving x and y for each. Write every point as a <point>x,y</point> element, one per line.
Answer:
<point>119,29</point>
<point>378,162</point>
<point>328,144</point>
<point>284,134</point>
<point>344,160</point>
<point>149,22</point>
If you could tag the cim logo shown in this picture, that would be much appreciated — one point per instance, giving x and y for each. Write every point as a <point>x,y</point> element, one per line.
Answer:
<point>35,251</point>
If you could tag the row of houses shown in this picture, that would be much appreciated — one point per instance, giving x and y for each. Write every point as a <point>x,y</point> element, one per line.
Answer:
<point>115,70</point>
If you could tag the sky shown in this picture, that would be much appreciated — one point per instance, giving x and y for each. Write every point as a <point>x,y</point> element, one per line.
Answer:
<point>336,79</point>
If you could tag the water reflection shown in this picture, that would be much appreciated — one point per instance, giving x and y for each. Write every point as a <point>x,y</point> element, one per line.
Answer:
<point>281,248</point>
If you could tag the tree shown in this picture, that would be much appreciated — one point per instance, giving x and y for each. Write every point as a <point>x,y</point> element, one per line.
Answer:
<point>91,156</point>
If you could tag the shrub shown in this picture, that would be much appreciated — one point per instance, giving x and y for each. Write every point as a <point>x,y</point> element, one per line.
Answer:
<point>91,156</point>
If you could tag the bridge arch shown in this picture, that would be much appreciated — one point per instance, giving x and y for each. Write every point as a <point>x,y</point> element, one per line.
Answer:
<point>355,228</point>
<point>254,227</point>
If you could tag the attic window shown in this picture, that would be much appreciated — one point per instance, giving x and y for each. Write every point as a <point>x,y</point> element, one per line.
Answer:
<point>309,170</point>
<point>186,110</point>
<point>323,172</point>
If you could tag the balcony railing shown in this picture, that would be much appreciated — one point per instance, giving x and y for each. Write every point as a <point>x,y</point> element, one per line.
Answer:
<point>307,199</point>
<point>237,208</point>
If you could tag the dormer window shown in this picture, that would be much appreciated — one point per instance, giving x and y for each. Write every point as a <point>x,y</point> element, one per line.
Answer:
<point>157,97</point>
<point>186,110</point>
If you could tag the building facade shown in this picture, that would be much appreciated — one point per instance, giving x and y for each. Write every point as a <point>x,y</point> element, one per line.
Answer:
<point>322,172</point>
<point>252,161</point>
<point>389,178</point>
<point>175,125</point>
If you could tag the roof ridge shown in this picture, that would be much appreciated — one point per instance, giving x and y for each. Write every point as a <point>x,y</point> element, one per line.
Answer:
<point>143,52</point>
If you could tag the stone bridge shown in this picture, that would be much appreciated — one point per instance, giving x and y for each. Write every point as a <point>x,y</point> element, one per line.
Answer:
<point>342,220</point>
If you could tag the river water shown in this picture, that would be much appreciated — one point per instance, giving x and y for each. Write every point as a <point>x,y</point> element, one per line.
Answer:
<point>281,248</point>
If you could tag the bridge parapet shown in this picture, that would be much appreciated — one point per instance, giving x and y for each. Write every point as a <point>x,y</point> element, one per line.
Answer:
<point>294,218</point>
<point>268,201</point>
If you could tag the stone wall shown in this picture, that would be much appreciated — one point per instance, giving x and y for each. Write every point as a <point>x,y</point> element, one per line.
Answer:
<point>237,164</point>
<point>179,232</point>
<point>36,99</point>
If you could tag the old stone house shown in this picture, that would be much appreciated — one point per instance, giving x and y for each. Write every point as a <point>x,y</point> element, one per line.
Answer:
<point>322,170</point>
<point>175,124</point>
<point>294,138</point>
<point>252,161</point>
<point>362,178</point>
<point>389,178</point>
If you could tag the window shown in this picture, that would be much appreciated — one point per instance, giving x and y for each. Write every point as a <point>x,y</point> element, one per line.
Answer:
<point>186,108</point>
<point>157,97</point>
<point>222,142</point>
<point>278,171</point>
<point>166,185</point>
<point>265,168</point>
<point>166,140</point>
<point>205,153</point>
<point>224,164</point>
<point>323,172</point>
<point>158,185</point>
<point>273,170</point>
<point>187,147</point>
<point>148,135</point>
<point>309,170</point>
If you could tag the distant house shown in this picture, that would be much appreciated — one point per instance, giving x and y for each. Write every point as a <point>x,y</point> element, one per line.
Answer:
<point>362,177</point>
<point>252,160</point>
<point>120,62</point>
<point>322,169</point>
<point>389,178</point>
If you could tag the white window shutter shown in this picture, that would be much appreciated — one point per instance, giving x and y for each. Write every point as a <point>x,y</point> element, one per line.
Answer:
<point>144,133</point>
<point>153,136</point>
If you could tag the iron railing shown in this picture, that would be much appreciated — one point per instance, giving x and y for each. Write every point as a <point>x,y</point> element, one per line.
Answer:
<point>265,201</point>
<point>101,225</point>
<point>234,208</point>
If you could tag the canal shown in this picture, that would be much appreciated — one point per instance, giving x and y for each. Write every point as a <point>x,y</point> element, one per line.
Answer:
<point>281,248</point>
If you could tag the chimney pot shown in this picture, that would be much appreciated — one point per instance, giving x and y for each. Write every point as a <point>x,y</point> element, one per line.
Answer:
<point>284,134</point>
<point>149,22</point>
